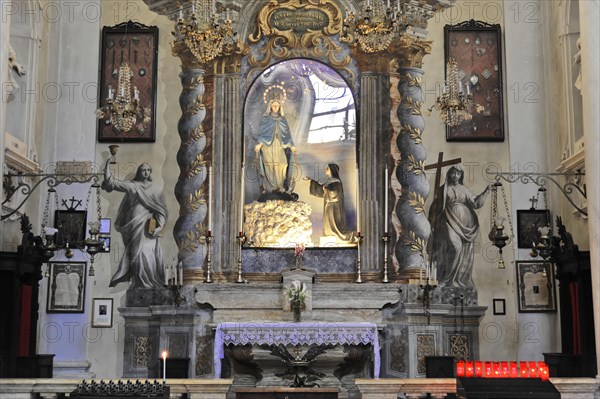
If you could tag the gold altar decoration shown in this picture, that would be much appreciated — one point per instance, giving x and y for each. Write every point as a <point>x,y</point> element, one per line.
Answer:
<point>410,51</point>
<point>299,29</point>
<point>374,29</point>
<point>206,35</point>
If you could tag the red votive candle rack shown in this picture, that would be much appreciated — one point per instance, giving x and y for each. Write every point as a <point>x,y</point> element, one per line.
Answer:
<point>469,369</point>
<point>479,369</point>
<point>513,369</point>
<point>489,369</point>
<point>523,370</point>
<point>460,368</point>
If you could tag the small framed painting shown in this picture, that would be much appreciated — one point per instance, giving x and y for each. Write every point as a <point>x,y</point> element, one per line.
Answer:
<point>71,228</point>
<point>528,223</point>
<point>499,307</point>
<point>102,312</point>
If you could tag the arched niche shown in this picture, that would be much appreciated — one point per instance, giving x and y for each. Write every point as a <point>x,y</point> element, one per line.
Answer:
<point>320,109</point>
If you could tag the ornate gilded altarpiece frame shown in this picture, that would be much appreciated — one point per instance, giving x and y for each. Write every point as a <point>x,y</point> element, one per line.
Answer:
<point>477,48</point>
<point>137,44</point>
<point>298,29</point>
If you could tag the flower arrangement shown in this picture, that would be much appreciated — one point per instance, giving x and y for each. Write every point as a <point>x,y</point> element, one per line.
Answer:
<point>296,293</point>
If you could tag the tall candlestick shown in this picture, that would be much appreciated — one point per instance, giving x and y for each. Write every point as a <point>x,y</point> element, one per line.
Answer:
<point>242,200</point>
<point>166,271</point>
<point>180,273</point>
<point>386,196</point>
<point>174,274</point>
<point>357,202</point>
<point>164,356</point>
<point>210,192</point>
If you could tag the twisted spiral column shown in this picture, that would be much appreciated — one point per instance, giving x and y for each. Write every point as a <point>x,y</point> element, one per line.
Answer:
<point>410,171</point>
<point>192,189</point>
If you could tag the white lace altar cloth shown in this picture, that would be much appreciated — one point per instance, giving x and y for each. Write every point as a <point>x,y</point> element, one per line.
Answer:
<point>311,333</point>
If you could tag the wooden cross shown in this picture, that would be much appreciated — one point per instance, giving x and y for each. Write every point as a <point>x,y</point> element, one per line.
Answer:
<point>436,189</point>
<point>533,201</point>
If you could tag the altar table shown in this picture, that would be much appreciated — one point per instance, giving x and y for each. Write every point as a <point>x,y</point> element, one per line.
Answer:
<point>311,333</point>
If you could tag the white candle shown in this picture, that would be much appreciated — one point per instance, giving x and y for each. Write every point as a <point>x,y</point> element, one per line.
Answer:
<point>180,13</point>
<point>357,202</point>
<point>174,274</point>
<point>385,225</point>
<point>166,270</point>
<point>164,356</point>
<point>210,190</point>
<point>398,5</point>
<point>388,3</point>
<point>180,273</point>
<point>242,200</point>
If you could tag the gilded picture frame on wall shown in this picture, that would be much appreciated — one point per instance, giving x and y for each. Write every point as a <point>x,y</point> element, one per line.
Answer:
<point>136,45</point>
<point>535,286</point>
<point>477,48</point>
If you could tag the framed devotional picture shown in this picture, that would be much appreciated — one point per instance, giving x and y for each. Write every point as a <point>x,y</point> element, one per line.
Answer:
<point>535,286</point>
<point>528,223</point>
<point>499,307</point>
<point>136,46</point>
<point>66,287</point>
<point>71,225</point>
<point>476,47</point>
<point>102,312</point>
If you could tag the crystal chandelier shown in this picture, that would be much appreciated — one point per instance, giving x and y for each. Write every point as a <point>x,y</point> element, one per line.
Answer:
<point>203,34</point>
<point>378,24</point>
<point>374,29</point>
<point>121,110</point>
<point>453,103</point>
